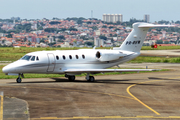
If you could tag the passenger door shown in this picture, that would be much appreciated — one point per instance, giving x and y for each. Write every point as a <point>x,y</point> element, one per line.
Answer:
<point>52,62</point>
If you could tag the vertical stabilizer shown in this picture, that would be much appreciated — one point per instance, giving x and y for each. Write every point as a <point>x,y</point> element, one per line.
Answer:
<point>135,39</point>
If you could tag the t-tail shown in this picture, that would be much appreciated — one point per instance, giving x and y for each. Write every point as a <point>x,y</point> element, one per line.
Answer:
<point>135,39</point>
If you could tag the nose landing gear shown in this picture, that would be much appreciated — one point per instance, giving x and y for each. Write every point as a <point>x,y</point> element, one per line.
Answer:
<point>19,80</point>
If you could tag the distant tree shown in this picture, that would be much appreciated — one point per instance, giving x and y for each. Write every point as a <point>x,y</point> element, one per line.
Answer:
<point>94,27</point>
<point>104,26</point>
<point>9,35</point>
<point>163,22</point>
<point>84,38</point>
<point>50,30</point>
<point>2,31</point>
<point>110,27</point>
<point>115,35</point>
<point>89,43</point>
<point>103,37</point>
<point>177,22</point>
<point>61,30</point>
<point>54,22</point>
<point>112,40</point>
<point>72,29</point>
<point>42,41</point>
<point>159,42</point>
<point>75,18</point>
<point>118,23</point>
<point>27,27</point>
<point>116,29</point>
<point>166,42</point>
<point>89,22</point>
<point>40,28</point>
<point>14,31</point>
<point>61,37</point>
<point>79,21</point>
<point>60,40</point>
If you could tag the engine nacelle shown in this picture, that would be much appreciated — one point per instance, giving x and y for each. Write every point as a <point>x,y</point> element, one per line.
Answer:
<point>108,55</point>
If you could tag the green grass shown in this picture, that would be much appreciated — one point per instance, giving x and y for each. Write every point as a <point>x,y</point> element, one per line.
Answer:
<point>13,54</point>
<point>3,76</point>
<point>142,59</point>
<point>160,48</point>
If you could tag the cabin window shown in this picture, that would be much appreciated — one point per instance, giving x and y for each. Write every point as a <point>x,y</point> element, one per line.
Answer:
<point>57,57</point>
<point>64,57</point>
<point>83,56</point>
<point>70,57</point>
<point>37,58</point>
<point>33,58</point>
<point>77,57</point>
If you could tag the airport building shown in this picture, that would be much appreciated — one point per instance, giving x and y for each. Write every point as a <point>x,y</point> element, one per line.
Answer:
<point>98,42</point>
<point>146,18</point>
<point>112,17</point>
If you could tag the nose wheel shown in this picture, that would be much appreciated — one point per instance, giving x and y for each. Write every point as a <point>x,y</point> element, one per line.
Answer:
<point>18,80</point>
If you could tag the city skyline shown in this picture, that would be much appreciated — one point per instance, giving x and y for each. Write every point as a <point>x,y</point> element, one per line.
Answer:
<point>31,9</point>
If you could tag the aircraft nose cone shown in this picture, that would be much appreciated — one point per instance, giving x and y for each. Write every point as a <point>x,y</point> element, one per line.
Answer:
<point>5,69</point>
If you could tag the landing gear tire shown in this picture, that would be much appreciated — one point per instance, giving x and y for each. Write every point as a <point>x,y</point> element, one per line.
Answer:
<point>91,79</point>
<point>71,78</point>
<point>18,80</point>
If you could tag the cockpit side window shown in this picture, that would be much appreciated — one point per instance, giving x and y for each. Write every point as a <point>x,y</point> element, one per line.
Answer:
<point>37,58</point>
<point>26,57</point>
<point>33,58</point>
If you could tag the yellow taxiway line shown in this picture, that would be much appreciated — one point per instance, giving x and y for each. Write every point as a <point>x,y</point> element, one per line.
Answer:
<point>140,100</point>
<point>105,117</point>
<point>1,110</point>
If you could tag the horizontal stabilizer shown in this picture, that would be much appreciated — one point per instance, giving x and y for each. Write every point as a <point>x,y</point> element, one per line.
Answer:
<point>105,70</point>
<point>152,25</point>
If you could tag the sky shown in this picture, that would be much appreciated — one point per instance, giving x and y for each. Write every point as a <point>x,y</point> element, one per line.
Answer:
<point>37,9</point>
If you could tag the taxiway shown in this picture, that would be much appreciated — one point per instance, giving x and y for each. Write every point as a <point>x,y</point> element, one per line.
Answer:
<point>124,96</point>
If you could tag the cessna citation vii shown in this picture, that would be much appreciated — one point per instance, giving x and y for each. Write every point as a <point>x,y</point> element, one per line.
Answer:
<point>90,61</point>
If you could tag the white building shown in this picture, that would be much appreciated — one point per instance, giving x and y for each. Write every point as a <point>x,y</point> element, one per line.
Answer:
<point>98,42</point>
<point>112,17</point>
<point>146,18</point>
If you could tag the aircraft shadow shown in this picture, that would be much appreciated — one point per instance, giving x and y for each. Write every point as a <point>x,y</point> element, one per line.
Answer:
<point>104,81</point>
<point>163,78</point>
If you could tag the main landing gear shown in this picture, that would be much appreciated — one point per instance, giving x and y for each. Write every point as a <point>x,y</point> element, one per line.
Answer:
<point>88,78</point>
<point>70,77</point>
<point>19,80</point>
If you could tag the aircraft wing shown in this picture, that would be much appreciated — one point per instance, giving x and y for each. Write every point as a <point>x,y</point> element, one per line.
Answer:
<point>105,70</point>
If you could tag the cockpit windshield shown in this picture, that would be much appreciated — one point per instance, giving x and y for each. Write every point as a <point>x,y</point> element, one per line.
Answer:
<point>30,58</point>
<point>26,57</point>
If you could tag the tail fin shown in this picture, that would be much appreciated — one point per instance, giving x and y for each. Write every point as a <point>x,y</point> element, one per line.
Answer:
<point>135,39</point>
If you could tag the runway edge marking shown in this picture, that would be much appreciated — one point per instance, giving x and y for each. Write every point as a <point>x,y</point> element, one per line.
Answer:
<point>128,91</point>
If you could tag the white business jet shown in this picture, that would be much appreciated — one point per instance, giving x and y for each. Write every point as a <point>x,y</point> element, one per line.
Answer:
<point>90,61</point>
